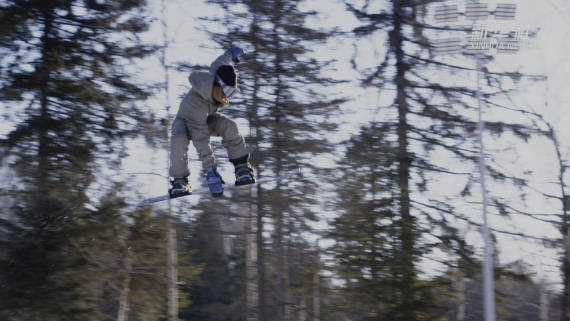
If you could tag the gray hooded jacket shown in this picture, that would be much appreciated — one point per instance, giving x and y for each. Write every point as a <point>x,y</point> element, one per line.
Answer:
<point>195,108</point>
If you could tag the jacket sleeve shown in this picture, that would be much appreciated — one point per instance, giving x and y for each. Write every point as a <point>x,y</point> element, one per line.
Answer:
<point>197,121</point>
<point>224,59</point>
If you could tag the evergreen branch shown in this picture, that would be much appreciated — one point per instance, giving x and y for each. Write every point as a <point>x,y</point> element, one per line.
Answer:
<point>462,218</point>
<point>433,168</point>
<point>532,215</point>
<point>505,74</point>
<point>453,149</point>
<point>437,28</point>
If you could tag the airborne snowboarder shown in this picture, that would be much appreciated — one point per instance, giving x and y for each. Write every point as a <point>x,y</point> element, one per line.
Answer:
<point>198,119</point>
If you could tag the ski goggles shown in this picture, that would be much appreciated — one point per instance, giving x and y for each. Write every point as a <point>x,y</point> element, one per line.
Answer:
<point>228,90</point>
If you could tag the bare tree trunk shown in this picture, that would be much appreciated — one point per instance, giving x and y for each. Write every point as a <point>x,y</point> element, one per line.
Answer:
<point>279,213</point>
<point>407,236</point>
<point>303,310</point>
<point>564,229</point>
<point>170,228</point>
<point>461,299</point>
<point>544,303</point>
<point>317,292</point>
<point>566,271</point>
<point>280,260</point>
<point>260,261</point>
<point>253,114</point>
<point>286,282</point>
<point>44,78</point>
<point>124,304</point>
<point>172,268</point>
<point>252,286</point>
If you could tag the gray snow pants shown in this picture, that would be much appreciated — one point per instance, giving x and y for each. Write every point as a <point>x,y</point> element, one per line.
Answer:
<point>218,125</point>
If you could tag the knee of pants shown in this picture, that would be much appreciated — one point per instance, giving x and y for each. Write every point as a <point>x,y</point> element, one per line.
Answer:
<point>179,138</point>
<point>179,143</point>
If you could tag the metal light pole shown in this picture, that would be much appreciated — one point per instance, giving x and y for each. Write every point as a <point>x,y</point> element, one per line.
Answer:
<point>488,278</point>
<point>477,11</point>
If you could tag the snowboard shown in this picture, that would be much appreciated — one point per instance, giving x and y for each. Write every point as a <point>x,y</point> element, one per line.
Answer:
<point>205,189</point>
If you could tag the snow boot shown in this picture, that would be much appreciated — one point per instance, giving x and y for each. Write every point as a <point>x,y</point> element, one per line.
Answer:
<point>179,187</point>
<point>243,171</point>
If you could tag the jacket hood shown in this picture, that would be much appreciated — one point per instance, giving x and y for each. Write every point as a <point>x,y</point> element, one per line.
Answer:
<point>202,83</point>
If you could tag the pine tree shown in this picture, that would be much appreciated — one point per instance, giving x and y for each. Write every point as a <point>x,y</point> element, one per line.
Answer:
<point>288,117</point>
<point>364,232</point>
<point>126,252</point>
<point>548,130</point>
<point>518,295</point>
<point>216,292</point>
<point>367,232</point>
<point>425,117</point>
<point>66,79</point>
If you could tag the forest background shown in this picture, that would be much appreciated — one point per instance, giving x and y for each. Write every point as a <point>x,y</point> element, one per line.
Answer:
<point>384,223</point>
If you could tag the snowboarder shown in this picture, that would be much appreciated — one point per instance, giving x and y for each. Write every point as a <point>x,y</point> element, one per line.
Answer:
<point>198,119</point>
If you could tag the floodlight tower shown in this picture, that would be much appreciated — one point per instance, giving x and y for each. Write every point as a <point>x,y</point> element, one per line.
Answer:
<point>477,45</point>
